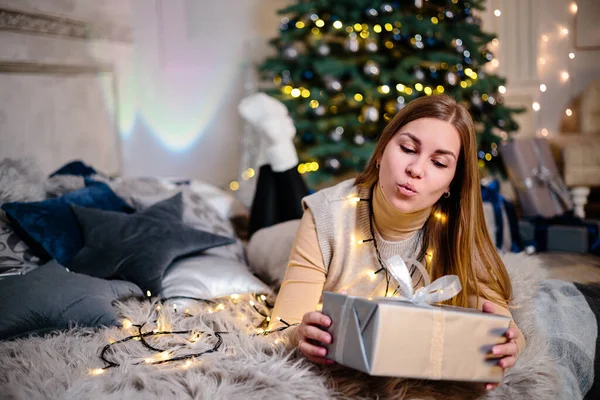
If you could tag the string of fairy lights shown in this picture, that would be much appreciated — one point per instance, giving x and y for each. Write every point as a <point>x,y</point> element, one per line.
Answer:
<point>144,333</point>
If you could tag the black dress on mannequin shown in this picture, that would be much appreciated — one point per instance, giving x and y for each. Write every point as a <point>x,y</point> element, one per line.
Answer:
<point>278,198</point>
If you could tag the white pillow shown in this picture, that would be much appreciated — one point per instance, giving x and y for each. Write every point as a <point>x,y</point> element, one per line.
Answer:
<point>226,204</point>
<point>269,251</point>
<point>208,276</point>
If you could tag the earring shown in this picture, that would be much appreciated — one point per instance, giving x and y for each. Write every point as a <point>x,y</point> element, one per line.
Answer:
<point>446,194</point>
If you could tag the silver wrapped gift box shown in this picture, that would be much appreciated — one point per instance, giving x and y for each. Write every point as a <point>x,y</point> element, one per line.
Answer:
<point>389,337</point>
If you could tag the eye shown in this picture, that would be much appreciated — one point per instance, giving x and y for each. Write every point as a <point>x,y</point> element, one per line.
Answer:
<point>439,164</point>
<point>407,150</point>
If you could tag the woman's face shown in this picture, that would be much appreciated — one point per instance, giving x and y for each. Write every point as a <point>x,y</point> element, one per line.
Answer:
<point>418,164</point>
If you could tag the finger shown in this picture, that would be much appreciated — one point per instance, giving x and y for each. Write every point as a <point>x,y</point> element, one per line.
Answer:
<point>311,350</point>
<point>316,318</point>
<point>490,386</point>
<point>319,360</point>
<point>507,362</point>
<point>488,307</point>
<point>312,332</point>
<point>506,349</point>
<point>512,333</point>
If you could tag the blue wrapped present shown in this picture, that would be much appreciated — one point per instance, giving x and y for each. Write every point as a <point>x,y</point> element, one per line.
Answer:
<point>505,232</point>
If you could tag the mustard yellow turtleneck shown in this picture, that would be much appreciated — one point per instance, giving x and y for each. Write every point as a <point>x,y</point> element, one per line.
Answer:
<point>392,224</point>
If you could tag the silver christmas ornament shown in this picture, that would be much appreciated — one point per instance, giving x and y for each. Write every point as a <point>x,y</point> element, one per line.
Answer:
<point>371,12</point>
<point>370,113</point>
<point>352,43</point>
<point>333,164</point>
<point>290,53</point>
<point>476,100</point>
<point>419,74</point>
<point>336,134</point>
<point>386,8</point>
<point>332,83</point>
<point>323,50</point>
<point>359,139</point>
<point>400,103</point>
<point>451,78</point>
<point>320,111</point>
<point>371,46</point>
<point>371,68</point>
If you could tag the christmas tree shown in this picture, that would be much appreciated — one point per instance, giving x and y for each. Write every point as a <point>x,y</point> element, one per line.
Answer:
<point>344,68</point>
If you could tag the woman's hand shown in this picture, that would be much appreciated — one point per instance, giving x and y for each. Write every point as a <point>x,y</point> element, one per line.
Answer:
<point>506,352</point>
<point>310,333</point>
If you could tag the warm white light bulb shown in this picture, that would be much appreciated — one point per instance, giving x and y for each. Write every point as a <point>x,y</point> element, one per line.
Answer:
<point>564,31</point>
<point>564,76</point>
<point>501,89</point>
<point>536,106</point>
<point>573,8</point>
<point>542,88</point>
<point>497,13</point>
<point>545,38</point>
<point>571,55</point>
<point>544,132</point>
<point>568,112</point>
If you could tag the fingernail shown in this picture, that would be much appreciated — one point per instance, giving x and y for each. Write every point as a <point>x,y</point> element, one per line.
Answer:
<point>323,352</point>
<point>488,386</point>
<point>327,321</point>
<point>327,339</point>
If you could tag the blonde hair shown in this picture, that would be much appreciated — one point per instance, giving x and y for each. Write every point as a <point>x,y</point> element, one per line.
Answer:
<point>458,244</point>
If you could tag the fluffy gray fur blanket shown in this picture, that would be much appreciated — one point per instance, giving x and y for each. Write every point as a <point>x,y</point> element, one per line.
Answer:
<point>63,365</point>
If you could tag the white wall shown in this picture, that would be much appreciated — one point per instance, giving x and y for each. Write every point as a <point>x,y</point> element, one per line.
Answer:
<point>190,63</point>
<point>527,60</point>
<point>582,70</point>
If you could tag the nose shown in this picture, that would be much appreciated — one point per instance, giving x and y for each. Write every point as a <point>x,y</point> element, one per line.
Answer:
<point>415,169</point>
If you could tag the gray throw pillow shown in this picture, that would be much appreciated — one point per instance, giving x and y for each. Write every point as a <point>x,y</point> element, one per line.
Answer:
<point>199,214</point>
<point>138,247</point>
<point>51,298</point>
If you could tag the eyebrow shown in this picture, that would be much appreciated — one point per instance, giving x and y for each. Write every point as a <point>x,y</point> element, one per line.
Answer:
<point>418,141</point>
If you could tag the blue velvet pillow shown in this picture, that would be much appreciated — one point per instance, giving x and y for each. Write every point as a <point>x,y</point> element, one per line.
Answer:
<point>50,228</point>
<point>77,167</point>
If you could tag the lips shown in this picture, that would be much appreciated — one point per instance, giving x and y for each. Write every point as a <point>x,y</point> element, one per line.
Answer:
<point>408,187</point>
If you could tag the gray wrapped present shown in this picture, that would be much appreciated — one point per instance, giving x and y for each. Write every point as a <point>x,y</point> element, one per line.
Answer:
<point>534,174</point>
<point>408,337</point>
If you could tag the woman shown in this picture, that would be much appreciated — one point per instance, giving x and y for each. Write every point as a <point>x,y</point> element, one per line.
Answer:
<point>418,196</point>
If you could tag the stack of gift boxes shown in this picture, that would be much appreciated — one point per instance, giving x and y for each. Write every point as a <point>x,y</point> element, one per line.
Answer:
<point>547,221</point>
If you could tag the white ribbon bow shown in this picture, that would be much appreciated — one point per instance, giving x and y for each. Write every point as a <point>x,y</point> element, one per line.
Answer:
<point>439,290</point>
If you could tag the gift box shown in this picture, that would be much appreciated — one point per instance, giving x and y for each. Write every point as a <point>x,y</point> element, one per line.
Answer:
<point>534,174</point>
<point>408,337</point>
<point>564,233</point>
